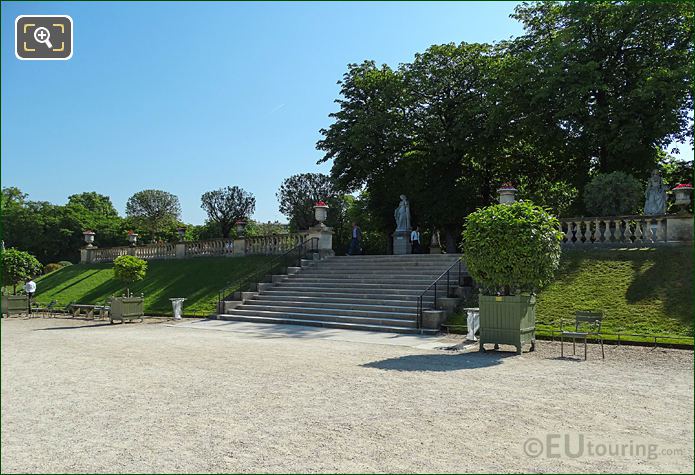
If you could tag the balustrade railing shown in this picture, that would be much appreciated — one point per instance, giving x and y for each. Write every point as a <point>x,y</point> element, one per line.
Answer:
<point>209,247</point>
<point>260,245</point>
<point>274,244</point>
<point>108,254</point>
<point>156,251</point>
<point>617,230</point>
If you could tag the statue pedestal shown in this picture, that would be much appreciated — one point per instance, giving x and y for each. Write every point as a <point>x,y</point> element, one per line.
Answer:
<point>401,242</point>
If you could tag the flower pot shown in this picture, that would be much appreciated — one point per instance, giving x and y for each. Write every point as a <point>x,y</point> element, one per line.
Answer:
<point>508,320</point>
<point>127,308</point>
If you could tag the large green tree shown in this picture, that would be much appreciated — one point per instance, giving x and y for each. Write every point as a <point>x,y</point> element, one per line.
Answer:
<point>609,81</point>
<point>228,205</point>
<point>155,211</point>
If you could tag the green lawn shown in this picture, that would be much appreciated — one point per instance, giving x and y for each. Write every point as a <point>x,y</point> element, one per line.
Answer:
<point>198,280</point>
<point>641,291</point>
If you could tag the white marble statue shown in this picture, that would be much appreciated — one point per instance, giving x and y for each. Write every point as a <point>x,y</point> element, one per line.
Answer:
<point>402,215</point>
<point>655,196</point>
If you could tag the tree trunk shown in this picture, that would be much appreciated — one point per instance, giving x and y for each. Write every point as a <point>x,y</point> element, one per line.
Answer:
<point>450,240</point>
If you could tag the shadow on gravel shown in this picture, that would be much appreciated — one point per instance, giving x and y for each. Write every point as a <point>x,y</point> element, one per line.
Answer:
<point>76,327</point>
<point>450,362</point>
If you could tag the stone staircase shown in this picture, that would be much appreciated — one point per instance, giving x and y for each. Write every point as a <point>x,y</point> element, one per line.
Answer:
<point>374,293</point>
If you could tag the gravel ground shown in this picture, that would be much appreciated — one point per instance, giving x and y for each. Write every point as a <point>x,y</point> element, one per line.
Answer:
<point>89,397</point>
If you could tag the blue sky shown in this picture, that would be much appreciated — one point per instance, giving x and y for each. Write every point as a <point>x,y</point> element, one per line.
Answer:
<point>190,97</point>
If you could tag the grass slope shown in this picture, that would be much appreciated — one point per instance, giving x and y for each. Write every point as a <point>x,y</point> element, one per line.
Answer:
<point>641,291</point>
<point>198,280</point>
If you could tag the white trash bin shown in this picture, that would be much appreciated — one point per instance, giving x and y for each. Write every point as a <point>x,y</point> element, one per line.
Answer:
<point>177,305</point>
<point>473,323</point>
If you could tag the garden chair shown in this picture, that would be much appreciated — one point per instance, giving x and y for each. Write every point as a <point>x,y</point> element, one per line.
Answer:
<point>586,323</point>
<point>47,310</point>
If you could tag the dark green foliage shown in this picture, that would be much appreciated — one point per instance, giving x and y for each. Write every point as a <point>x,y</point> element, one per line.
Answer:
<point>65,263</point>
<point>298,194</point>
<point>512,247</point>
<point>613,194</point>
<point>18,266</point>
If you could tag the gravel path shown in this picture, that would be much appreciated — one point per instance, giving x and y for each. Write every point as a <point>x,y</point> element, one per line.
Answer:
<point>89,397</point>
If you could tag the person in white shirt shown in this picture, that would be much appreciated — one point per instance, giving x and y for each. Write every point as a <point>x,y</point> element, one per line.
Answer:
<point>415,240</point>
<point>30,289</point>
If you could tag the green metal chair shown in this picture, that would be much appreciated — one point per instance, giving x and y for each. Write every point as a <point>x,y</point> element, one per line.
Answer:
<point>586,323</point>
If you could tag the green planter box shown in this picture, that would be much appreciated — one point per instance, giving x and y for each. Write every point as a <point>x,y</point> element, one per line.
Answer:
<point>127,308</point>
<point>508,320</point>
<point>15,304</point>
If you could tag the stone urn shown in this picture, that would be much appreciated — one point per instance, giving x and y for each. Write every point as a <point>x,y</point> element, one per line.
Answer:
<point>321,212</point>
<point>507,193</point>
<point>89,238</point>
<point>682,195</point>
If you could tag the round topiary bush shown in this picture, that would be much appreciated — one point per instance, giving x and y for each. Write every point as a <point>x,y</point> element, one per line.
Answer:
<point>613,194</point>
<point>512,248</point>
<point>129,269</point>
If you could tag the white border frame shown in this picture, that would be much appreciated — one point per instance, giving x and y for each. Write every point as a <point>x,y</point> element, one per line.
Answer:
<point>72,42</point>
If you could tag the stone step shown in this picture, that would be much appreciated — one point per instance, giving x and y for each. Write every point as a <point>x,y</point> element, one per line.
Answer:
<point>388,281</point>
<point>328,310</point>
<point>393,285</point>
<point>341,304</point>
<point>369,292</point>
<point>322,299</point>
<point>425,257</point>
<point>326,324</point>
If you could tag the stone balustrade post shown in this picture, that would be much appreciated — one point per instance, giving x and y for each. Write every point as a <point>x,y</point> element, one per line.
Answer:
<point>180,250</point>
<point>239,247</point>
<point>87,255</point>
<point>325,238</point>
<point>679,227</point>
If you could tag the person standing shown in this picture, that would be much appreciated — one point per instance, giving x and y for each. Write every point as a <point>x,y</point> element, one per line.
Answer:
<point>30,290</point>
<point>415,240</point>
<point>355,247</point>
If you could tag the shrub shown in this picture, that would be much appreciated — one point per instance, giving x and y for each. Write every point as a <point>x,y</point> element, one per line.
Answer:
<point>17,266</point>
<point>613,194</point>
<point>512,247</point>
<point>129,269</point>
<point>65,263</point>
<point>52,267</point>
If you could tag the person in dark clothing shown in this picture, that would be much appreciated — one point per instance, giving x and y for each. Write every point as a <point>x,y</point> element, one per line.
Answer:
<point>355,247</point>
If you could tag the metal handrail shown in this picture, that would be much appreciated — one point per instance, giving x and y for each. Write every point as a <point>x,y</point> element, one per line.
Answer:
<point>420,307</point>
<point>277,263</point>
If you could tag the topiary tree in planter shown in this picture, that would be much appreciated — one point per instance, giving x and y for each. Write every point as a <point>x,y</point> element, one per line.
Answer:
<point>512,251</point>
<point>129,269</point>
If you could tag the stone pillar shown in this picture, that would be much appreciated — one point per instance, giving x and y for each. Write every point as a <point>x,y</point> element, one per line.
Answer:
<point>325,237</point>
<point>87,255</point>
<point>679,228</point>
<point>180,250</point>
<point>401,242</point>
<point>239,247</point>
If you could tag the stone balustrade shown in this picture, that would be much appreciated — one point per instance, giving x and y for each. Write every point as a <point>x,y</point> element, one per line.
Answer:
<point>223,247</point>
<point>274,244</point>
<point>209,247</point>
<point>622,231</point>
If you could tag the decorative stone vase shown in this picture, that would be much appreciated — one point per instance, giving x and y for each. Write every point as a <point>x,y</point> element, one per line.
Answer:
<point>321,212</point>
<point>127,308</point>
<point>682,195</point>
<point>132,238</point>
<point>507,193</point>
<point>89,238</point>
<point>508,320</point>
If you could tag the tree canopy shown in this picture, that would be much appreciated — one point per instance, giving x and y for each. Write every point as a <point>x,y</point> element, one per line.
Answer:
<point>227,206</point>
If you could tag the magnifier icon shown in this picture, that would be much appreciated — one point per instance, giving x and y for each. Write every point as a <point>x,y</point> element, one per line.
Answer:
<point>42,35</point>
